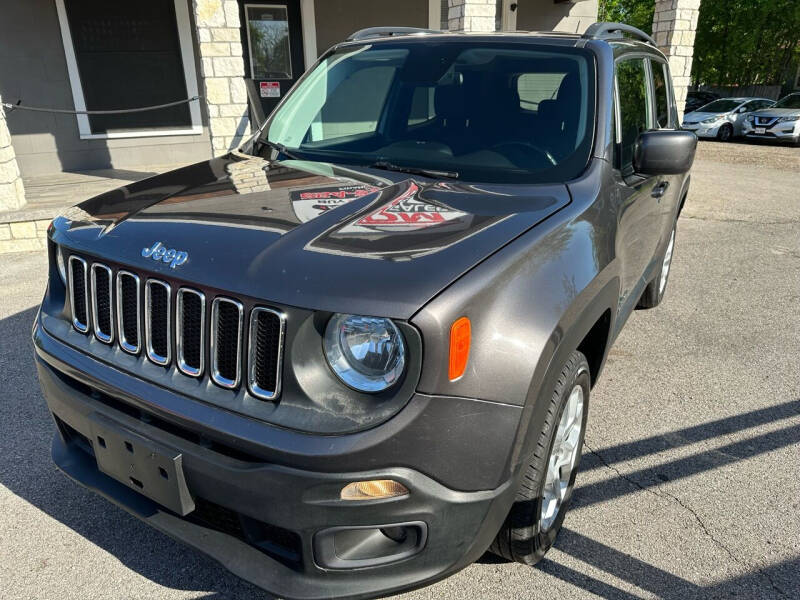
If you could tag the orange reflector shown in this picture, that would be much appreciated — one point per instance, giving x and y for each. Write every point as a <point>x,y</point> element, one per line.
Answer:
<point>373,490</point>
<point>460,335</point>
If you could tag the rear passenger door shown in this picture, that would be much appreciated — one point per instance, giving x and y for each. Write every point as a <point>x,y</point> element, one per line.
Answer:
<point>637,199</point>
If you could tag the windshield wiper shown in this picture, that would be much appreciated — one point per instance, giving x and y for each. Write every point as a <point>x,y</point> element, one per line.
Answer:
<point>280,148</point>
<point>387,166</point>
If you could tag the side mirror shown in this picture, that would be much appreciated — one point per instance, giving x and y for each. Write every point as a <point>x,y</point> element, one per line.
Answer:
<point>664,152</point>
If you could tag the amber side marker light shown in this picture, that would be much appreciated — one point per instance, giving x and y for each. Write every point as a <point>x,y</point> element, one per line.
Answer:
<point>374,489</point>
<point>460,335</point>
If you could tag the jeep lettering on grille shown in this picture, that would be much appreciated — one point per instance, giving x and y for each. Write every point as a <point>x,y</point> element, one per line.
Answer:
<point>158,251</point>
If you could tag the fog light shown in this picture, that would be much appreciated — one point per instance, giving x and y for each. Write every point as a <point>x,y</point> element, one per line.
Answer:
<point>373,490</point>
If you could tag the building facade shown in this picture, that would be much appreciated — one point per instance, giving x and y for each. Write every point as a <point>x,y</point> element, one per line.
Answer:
<point>232,60</point>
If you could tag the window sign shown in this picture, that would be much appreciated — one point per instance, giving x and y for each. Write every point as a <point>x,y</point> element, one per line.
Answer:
<point>268,39</point>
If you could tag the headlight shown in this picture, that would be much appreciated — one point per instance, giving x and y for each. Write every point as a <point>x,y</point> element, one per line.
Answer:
<point>366,353</point>
<point>62,269</point>
<point>751,119</point>
<point>788,119</point>
<point>711,120</point>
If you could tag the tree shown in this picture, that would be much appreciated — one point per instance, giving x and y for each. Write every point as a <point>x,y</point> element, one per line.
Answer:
<point>738,42</point>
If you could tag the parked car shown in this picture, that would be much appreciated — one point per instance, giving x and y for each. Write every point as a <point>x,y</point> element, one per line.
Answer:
<point>695,100</point>
<point>350,357</point>
<point>780,122</point>
<point>724,118</point>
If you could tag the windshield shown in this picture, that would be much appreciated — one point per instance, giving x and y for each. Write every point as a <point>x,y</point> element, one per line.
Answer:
<point>790,101</point>
<point>476,111</point>
<point>720,106</point>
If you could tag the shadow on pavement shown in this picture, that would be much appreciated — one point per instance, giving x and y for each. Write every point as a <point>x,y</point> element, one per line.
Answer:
<point>26,431</point>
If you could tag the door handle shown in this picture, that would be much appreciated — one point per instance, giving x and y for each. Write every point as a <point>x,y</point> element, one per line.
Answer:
<point>660,189</point>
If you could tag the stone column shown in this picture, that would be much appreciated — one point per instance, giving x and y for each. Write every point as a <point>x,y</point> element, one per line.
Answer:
<point>222,68</point>
<point>674,27</point>
<point>471,15</point>
<point>12,192</point>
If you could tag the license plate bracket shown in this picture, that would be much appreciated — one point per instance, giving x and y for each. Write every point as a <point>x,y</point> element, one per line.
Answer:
<point>143,465</point>
<point>760,130</point>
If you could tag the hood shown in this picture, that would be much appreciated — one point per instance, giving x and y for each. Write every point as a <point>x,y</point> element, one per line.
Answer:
<point>696,117</point>
<point>305,234</point>
<point>777,112</point>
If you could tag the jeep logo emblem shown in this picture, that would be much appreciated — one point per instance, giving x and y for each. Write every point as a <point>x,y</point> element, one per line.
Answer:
<point>158,251</point>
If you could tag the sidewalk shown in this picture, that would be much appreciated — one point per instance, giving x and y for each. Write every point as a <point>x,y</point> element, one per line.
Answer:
<point>49,195</point>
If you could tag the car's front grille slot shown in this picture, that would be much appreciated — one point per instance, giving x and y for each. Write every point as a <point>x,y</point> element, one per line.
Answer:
<point>265,352</point>
<point>79,294</point>
<point>120,306</point>
<point>157,321</point>
<point>128,294</point>
<point>102,314</point>
<point>226,342</point>
<point>190,323</point>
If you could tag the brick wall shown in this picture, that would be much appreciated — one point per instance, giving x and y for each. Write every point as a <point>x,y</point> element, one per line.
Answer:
<point>12,192</point>
<point>222,66</point>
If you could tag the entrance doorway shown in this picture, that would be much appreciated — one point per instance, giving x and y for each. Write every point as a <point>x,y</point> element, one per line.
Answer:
<point>272,39</point>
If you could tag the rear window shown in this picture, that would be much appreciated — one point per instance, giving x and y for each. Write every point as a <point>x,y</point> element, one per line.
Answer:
<point>480,111</point>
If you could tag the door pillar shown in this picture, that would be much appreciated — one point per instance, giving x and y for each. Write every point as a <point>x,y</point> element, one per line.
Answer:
<point>222,69</point>
<point>674,27</point>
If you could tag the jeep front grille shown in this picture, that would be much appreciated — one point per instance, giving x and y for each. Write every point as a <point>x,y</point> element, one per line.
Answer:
<point>226,342</point>
<point>265,352</point>
<point>173,327</point>
<point>78,294</point>
<point>101,303</point>
<point>190,323</point>
<point>128,295</point>
<point>157,321</point>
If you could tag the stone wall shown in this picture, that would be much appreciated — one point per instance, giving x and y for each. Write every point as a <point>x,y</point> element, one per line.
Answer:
<point>12,192</point>
<point>674,27</point>
<point>222,67</point>
<point>471,15</point>
<point>23,236</point>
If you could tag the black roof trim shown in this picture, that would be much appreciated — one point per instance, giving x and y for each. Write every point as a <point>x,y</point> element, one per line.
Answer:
<point>605,30</point>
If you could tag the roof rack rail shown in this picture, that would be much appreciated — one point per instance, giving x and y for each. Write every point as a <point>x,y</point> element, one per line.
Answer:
<point>373,32</point>
<point>604,30</point>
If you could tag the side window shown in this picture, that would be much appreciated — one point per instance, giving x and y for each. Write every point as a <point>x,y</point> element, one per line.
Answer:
<point>661,95</point>
<point>633,110</point>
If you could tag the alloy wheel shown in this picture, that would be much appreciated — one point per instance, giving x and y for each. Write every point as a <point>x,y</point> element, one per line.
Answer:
<point>562,459</point>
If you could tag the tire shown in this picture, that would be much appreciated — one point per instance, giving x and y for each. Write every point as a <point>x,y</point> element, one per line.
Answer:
<point>725,133</point>
<point>528,533</point>
<point>654,292</point>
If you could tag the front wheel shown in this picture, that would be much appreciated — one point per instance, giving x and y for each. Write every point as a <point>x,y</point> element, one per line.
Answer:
<point>654,292</point>
<point>725,133</point>
<point>549,477</point>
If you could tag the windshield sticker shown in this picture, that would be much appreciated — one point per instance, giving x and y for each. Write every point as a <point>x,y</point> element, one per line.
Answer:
<point>309,204</point>
<point>404,213</point>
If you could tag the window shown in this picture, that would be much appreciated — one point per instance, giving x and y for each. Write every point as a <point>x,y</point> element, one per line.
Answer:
<point>661,94</point>
<point>130,55</point>
<point>535,87</point>
<point>453,106</point>
<point>423,108</point>
<point>268,41</point>
<point>633,110</point>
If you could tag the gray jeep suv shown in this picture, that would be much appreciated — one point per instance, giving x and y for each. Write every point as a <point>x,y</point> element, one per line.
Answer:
<point>353,355</point>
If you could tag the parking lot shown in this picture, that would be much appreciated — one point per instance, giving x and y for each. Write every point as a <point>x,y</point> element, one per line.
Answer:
<point>690,481</point>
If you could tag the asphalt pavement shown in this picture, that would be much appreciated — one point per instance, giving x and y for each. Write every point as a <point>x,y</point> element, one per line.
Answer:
<point>690,482</point>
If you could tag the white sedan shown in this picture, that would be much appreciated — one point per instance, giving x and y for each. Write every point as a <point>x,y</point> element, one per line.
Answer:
<point>723,119</point>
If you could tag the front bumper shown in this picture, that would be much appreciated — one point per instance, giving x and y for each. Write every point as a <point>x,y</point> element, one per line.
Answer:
<point>703,131</point>
<point>265,501</point>
<point>775,134</point>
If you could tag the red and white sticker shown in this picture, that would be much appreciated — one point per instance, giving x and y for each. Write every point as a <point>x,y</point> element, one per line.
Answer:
<point>270,89</point>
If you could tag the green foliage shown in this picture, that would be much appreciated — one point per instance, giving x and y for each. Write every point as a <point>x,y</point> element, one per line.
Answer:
<point>638,13</point>
<point>739,42</point>
<point>742,42</point>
